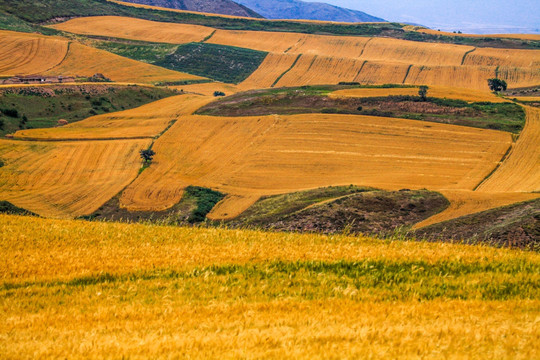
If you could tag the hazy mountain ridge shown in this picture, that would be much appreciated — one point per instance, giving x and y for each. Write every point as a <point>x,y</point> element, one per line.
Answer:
<point>295,9</point>
<point>223,7</point>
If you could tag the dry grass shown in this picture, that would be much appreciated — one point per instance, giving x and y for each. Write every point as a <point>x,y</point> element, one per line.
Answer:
<point>146,121</point>
<point>277,154</point>
<point>433,91</point>
<point>92,290</point>
<point>508,36</point>
<point>136,29</point>
<point>208,88</point>
<point>25,54</point>
<point>67,179</point>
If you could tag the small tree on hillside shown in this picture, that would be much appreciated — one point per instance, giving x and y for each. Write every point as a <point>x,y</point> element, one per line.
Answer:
<point>422,91</point>
<point>497,85</point>
<point>147,155</point>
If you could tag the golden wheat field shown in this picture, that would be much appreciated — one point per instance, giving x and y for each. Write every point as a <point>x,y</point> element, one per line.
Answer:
<point>146,121</point>
<point>277,154</point>
<point>67,179</point>
<point>90,290</point>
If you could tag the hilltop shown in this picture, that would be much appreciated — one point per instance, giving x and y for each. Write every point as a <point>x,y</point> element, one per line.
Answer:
<point>224,7</point>
<point>295,9</point>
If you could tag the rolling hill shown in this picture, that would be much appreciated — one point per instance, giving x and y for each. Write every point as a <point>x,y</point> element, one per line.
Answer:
<point>224,7</point>
<point>295,9</point>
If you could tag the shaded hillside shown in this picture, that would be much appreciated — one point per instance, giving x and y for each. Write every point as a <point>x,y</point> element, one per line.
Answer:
<point>223,7</point>
<point>295,9</point>
<point>515,225</point>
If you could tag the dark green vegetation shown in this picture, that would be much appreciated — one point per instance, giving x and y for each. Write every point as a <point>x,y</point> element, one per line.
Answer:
<point>343,209</point>
<point>40,11</point>
<point>497,85</point>
<point>223,63</point>
<point>498,116</point>
<point>219,62</point>
<point>195,204</point>
<point>373,280</point>
<point>517,225</point>
<point>8,208</point>
<point>44,106</point>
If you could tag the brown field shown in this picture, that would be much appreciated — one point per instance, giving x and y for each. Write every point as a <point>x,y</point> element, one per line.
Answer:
<point>433,91</point>
<point>146,121</point>
<point>278,154</point>
<point>520,172</point>
<point>136,29</point>
<point>26,54</point>
<point>67,179</point>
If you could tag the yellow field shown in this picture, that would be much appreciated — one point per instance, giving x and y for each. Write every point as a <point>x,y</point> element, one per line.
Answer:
<point>433,91</point>
<point>137,29</point>
<point>86,61</point>
<point>67,179</point>
<point>91,290</point>
<point>25,54</point>
<point>520,172</point>
<point>276,154</point>
<point>208,88</point>
<point>271,68</point>
<point>146,121</point>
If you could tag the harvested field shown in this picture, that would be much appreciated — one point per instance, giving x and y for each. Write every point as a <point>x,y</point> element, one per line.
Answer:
<point>232,206</point>
<point>433,91</point>
<point>272,68</point>
<point>146,121</point>
<point>135,29</point>
<point>208,89</point>
<point>258,40</point>
<point>279,154</point>
<point>28,54</point>
<point>520,172</point>
<point>86,61</point>
<point>469,202</point>
<point>67,179</point>
<point>508,36</point>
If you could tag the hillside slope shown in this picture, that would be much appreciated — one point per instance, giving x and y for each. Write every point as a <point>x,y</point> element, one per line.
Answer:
<point>223,7</point>
<point>295,9</point>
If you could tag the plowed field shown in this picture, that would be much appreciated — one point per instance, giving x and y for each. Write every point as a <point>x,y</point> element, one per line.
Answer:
<point>67,179</point>
<point>277,154</point>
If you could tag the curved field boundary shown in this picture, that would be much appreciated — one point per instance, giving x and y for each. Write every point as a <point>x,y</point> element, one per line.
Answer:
<point>520,172</point>
<point>67,179</point>
<point>136,29</point>
<point>469,202</point>
<point>232,206</point>
<point>26,54</point>
<point>264,155</point>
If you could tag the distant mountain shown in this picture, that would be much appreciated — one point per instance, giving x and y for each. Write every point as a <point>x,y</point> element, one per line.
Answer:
<point>223,7</point>
<point>295,9</point>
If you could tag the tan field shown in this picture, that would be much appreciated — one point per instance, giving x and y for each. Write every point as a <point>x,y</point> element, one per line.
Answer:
<point>208,89</point>
<point>520,172</point>
<point>146,121</point>
<point>25,54</point>
<point>326,59</point>
<point>67,179</point>
<point>508,36</point>
<point>278,154</point>
<point>273,66</point>
<point>136,29</point>
<point>434,91</point>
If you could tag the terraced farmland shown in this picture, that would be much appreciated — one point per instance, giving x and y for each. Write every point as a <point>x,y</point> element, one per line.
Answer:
<point>276,154</point>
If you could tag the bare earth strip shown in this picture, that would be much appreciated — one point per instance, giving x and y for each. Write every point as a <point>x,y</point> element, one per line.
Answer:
<point>67,179</point>
<point>278,154</point>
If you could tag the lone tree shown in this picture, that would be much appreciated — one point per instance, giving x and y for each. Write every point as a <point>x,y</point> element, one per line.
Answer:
<point>497,85</point>
<point>422,91</point>
<point>147,155</point>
